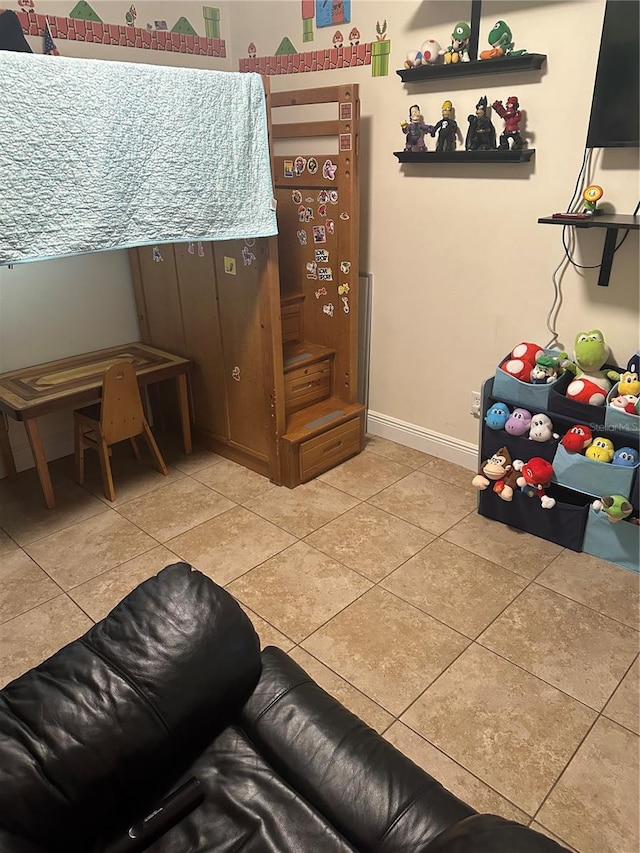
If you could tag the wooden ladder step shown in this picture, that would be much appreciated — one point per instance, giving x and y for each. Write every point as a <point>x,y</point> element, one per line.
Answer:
<point>318,418</point>
<point>297,354</point>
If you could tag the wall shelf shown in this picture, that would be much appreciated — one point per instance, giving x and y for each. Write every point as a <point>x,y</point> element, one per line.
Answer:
<point>612,223</point>
<point>510,156</point>
<point>425,73</point>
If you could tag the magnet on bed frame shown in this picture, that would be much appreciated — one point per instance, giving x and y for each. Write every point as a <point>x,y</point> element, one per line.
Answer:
<point>345,142</point>
<point>319,234</point>
<point>345,304</point>
<point>235,373</point>
<point>288,168</point>
<point>157,256</point>
<point>247,256</point>
<point>345,267</point>
<point>302,237</point>
<point>329,170</point>
<point>323,196</point>
<point>230,265</point>
<point>333,196</point>
<point>344,216</point>
<point>330,225</point>
<point>329,308</point>
<point>296,196</point>
<point>321,291</point>
<point>299,165</point>
<point>322,210</point>
<point>191,248</point>
<point>343,288</point>
<point>312,165</point>
<point>322,256</point>
<point>311,270</point>
<point>200,250</point>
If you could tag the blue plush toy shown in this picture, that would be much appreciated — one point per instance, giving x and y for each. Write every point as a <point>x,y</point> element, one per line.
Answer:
<point>626,456</point>
<point>497,416</point>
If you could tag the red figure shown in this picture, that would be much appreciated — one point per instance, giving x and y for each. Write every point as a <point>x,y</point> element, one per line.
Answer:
<point>512,118</point>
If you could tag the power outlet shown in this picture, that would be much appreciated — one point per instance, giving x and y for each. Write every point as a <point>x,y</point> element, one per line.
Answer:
<point>475,404</point>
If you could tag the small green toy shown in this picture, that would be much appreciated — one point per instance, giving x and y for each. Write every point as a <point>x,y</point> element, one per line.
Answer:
<point>615,507</point>
<point>501,41</point>
<point>458,50</point>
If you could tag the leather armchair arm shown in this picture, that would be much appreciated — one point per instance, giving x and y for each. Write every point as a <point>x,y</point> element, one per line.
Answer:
<point>376,797</point>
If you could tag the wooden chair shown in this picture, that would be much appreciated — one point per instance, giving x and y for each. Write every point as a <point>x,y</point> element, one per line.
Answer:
<point>118,417</point>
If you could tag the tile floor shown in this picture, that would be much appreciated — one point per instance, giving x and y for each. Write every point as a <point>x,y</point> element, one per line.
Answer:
<point>504,665</point>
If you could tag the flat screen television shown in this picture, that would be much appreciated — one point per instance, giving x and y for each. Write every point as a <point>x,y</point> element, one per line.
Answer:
<point>614,121</point>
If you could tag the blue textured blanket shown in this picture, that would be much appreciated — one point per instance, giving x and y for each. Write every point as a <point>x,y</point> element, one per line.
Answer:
<point>99,155</point>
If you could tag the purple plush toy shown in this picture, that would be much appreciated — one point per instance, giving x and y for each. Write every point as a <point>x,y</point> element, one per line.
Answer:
<point>519,422</point>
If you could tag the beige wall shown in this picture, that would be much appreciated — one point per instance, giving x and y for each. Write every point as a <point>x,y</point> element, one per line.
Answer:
<point>462,271</point>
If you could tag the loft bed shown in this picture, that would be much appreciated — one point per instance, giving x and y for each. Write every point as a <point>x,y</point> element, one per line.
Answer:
<point>270,323</point>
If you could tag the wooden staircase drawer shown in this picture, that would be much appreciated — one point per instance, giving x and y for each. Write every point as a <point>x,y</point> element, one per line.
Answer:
<point>307,385</point>
<point>324,451</point>
<point>291,319</point>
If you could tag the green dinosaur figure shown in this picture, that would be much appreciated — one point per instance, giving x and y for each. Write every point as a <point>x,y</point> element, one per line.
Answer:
<point>590,353</point>
<point>615,507</point>
<point>501,41</point>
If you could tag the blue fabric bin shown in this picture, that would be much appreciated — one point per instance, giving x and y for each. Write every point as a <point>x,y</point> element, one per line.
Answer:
<point>577,472</point>
<point>533,397</point>
<point>619,543</point>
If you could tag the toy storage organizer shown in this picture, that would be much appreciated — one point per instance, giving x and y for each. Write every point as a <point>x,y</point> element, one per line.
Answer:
<point>577,480</point>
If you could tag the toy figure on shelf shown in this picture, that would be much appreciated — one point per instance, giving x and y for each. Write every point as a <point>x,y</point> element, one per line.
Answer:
<point>535,478</point>
<point>547,369</point>
<point>519,422</point>
<point>447,129</point>
<point>626,456</point>
<point>481,135</point>
<point>615,507</point>
<point>429,54</point>
<point>415,130</point>
<point>600,450</point>
<point>542,428</point>
<point>497,416</point>
<point>591,196</point>
<point>458,50</point>
<point>501,41</point>
<point>498,469</point>
<point>592,382</point>
<point>577,438</point>
<point>512,118</point>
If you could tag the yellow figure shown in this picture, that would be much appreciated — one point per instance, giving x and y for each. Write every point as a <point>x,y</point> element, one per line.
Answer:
<point>600,450</point>
<point>629,384</point>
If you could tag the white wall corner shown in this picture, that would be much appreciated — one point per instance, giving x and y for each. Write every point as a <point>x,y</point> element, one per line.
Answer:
<point>443,446</point>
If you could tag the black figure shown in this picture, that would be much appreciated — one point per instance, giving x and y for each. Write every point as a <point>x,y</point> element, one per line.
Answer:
<point>481,135</point>
<point>446,128</point>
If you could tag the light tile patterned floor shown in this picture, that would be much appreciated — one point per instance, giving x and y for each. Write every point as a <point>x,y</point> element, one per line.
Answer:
<point>504,665</point>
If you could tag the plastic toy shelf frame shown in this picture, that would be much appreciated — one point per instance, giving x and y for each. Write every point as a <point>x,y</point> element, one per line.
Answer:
<point>612,223</point>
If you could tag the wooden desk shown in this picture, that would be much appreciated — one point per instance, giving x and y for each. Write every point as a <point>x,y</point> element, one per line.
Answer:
<point>73,382</point>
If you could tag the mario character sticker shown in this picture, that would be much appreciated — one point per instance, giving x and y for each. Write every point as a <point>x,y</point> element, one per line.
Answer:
<point>230,266</point>
<point>157,257</point>
<point>296,196</point>
<point>329,170</point>
<point>345,141</point>
<point>299,165</point>
<point>319,234</point>
<point>312,165</point>
<point>330,226</point>
<point>329,308</point>
<point>311,270</point>
<point>345,267</point>
<point>302,237</point>
<point>346,112</point>
<point>325,274</point>
<point>321,291</point>
<point>288,168</point>
<point>322,256</point>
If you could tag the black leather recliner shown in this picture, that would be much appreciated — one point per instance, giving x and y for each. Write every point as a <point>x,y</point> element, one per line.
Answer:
<point>172,685</point>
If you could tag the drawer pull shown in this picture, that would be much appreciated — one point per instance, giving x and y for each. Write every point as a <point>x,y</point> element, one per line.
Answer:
<point>333,446</point>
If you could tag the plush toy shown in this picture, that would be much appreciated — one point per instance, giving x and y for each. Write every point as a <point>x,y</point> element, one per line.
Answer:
<point>591,383</point>
<point>577,438</point>
<point>535,477</point>
<point>522,361</point>
<point>629,384</point>
<point>497,416</point>
<point>600,450</point>
<point>615,507</point>
<point>627,402</point>
<point>431,52</point>
<point>626,456</point>
<point>542,428</point>
<point>499,471</point>
<point>633,365</point>
<point>519,422</point>
<point>546,369</point>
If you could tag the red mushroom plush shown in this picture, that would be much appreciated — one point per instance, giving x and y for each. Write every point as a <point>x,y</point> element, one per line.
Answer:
<point>522,361</point>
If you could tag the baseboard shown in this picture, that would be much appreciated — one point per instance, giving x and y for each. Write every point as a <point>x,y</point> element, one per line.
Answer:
<point>443,446</point>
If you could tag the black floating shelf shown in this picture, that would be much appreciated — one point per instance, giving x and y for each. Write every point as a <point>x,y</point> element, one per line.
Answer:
<point>510,156</point>
<point>612,222</point>
<point>526,62</point>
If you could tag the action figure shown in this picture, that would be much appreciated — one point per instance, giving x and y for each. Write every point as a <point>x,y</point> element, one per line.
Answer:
<point>512,118</point>
<point>458,51</point>
<point>481,135</point>
<point>415,130</point>
<point>590,197</point>
<point>446,128</point>
<point>501,41</point>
